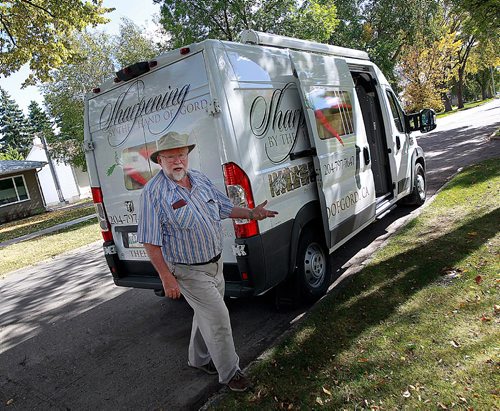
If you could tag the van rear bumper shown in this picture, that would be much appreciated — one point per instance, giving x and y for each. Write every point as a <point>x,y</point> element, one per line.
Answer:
<point>264,265</point>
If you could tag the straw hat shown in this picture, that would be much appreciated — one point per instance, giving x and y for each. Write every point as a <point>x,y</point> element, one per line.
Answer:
<point>170,141</point>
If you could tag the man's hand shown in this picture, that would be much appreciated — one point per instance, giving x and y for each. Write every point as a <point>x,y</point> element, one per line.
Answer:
<point>259,212</point>
<point>169,282</point>
<point>170,286</point>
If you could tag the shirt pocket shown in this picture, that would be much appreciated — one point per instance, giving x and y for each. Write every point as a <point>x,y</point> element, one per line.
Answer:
<point>181,218</point>
<point>211,205</point>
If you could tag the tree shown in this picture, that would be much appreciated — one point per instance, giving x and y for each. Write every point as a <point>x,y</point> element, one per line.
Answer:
<point>39,122</point>
<point>100,55</point>
<point>38,32</point>
<point>191,21</point>
<point>14,129</point>
<point>10,154</point>
<point>426,72</point>
<point>475,22</point>
<point>383,28</point>
<point>132,46</point>
<point>64,95</point>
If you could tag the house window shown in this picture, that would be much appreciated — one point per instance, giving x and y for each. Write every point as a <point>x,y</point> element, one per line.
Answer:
<point>13,190</point>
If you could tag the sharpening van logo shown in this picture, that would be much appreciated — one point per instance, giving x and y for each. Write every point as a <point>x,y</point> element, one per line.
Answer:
<point>130,110</point>
<point>279,121</point>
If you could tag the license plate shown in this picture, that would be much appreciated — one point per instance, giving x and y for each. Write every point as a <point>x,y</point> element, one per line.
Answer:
<point>132,241</point>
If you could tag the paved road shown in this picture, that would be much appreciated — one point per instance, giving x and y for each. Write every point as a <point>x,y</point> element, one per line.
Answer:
<point>70,339</point>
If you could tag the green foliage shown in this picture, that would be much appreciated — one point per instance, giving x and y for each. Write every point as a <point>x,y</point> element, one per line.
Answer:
<point>39,122</point>
<point>426,72</point>
<point>383,28</point>
<point>191,21</point>
<point>14,129</point>
<point>132,46</point>
<point>100,54</point>
<point>38,32</point>
<point>10,153</point>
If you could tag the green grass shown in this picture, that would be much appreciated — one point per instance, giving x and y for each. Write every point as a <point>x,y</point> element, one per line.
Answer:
<point>417,328</point>
<point>30,252</point>
<point>38,222</point>
<point>466,107</point>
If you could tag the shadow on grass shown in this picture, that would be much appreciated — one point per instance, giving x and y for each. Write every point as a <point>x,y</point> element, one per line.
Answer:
<point>373,297</point>
<point>488,170</point>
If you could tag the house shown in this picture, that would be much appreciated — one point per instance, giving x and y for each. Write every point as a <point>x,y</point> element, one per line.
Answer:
<point>20,192</point>
<point>73,183</point>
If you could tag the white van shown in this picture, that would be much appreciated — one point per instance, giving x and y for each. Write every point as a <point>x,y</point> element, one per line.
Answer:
<point>315,129</point>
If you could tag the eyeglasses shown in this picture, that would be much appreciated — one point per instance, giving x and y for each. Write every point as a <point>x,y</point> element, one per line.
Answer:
<point>174,158</point>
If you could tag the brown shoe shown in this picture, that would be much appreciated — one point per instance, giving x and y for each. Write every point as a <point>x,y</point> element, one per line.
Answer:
<point>239,382</point>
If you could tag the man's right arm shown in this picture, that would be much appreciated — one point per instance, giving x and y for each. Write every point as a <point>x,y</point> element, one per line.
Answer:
<point>169,282</point>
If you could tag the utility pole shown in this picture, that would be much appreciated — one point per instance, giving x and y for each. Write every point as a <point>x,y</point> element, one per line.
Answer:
<point>52,170</point>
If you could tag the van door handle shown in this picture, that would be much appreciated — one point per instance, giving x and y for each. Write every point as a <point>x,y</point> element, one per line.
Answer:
<point>366,155</point>
<point>304,153</point>
<point>398,143</point>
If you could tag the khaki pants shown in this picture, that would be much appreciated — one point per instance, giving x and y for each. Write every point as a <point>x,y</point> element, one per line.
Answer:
<point>211,335</point>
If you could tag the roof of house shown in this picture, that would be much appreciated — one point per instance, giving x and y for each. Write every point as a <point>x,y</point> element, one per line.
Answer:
<point>13,166</point>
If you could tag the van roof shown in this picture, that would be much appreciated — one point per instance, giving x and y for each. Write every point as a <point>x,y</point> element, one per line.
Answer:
<point>274,40</point>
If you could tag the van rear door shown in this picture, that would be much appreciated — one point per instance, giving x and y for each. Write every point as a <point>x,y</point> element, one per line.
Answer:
<point>336,130</point>
<point>126,121</point>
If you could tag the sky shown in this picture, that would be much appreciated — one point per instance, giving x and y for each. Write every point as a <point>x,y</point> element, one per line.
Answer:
<point>140,12</point>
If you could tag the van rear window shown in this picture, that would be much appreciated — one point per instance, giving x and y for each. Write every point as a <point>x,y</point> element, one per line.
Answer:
<point>333,111</point>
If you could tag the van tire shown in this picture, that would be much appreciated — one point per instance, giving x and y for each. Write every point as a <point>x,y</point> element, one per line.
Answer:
<point>417,194</point>
<point>313,270</point>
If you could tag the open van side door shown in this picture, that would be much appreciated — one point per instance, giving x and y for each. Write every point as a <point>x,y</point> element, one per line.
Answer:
<point>339,144</point>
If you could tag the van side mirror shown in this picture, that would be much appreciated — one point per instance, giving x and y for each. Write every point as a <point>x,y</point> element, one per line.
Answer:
<point>424,121</point>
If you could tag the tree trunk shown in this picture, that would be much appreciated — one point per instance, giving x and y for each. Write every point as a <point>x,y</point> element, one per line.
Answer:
<point>460,85</point>
<point>447,102</point>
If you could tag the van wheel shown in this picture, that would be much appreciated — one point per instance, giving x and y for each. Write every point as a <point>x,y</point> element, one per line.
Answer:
<point>313,267</point>
<point>417,195</point>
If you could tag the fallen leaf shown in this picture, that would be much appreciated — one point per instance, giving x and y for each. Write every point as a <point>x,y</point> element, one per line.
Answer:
<point>362,359</point>
<point>319,401</point>
<point>478,279</point>
<point>10,402</point>
<point>472,234</point>
<point>454,343</point>
<point>327,391</point>
<point>442,406</point>
<point>485,319</point>
<point>407,394</point>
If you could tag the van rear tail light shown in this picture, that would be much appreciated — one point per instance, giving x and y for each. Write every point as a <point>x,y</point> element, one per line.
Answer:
<point>107,235</point>
<point>239,191</point>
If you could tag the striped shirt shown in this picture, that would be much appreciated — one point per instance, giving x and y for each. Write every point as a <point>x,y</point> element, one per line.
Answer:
<point>186,224</point>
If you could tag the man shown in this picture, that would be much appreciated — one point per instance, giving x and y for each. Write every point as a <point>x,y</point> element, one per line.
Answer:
<point>180,227</point>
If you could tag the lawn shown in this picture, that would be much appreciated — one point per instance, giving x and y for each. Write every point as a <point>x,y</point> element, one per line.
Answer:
<point>48,219</point>
<point>466,107</point>
<point>26,253</point>
<point>417,328</point>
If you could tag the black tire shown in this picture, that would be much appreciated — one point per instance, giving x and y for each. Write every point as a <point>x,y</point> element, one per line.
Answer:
<point>419,187</point>
<point>313,270</point>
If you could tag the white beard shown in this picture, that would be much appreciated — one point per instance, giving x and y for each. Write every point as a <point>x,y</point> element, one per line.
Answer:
<point>178,175</point>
